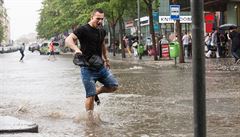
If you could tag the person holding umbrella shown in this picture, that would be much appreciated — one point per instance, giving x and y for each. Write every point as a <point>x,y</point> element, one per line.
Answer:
<point>234,36</point>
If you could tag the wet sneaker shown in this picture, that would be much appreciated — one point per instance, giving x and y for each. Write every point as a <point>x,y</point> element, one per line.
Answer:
<point>97,100</point>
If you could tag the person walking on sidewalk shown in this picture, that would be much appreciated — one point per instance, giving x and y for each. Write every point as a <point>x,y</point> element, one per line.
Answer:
<point>234,36</point>
<point>91,37</point>
<point>207,41</point>
<point>215,43</point>
<point>186,41</point>
<point>51,50</point>
<point>22,52</point>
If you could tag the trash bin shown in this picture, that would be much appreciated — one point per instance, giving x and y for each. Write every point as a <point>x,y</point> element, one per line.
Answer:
<point>140,49</point>
<point>164,48</point>
<point>174,49</point>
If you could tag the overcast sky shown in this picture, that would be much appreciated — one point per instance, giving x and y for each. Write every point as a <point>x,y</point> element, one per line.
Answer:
<point>23,15</point>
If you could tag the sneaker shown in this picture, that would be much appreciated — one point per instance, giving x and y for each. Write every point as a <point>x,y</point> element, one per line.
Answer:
<point>97,100</point>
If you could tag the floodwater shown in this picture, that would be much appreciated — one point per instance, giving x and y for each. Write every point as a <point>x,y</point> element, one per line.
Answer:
<point>153,100</point>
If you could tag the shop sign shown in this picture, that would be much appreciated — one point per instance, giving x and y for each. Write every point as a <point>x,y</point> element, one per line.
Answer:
<point>167,19</point>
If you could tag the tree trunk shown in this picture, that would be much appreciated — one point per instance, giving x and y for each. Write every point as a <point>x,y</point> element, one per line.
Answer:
<point>113,40</point>
<point>152,29</point>
<point>121,37</point>
<point>179,37</point>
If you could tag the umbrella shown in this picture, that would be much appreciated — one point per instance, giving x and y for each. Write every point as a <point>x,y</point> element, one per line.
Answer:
<point>227,26</point>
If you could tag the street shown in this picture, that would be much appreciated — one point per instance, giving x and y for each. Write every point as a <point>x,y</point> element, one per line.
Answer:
<point>155,98</point>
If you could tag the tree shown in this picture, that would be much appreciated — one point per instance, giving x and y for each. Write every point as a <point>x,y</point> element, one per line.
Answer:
<point>149,4</point>
<point>93,2</point>
<point>57,16</point>
<point>1,32</point>
<point>1,29</point>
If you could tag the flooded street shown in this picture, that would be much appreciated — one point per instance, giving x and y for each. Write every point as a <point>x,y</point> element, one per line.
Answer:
<point>153,100</point>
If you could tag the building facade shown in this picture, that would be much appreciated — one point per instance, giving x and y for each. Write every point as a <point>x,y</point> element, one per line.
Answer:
<point>223,11</point>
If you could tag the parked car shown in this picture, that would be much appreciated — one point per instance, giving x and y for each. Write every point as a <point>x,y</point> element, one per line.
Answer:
<point>43,50</point>
<point>34,46</point>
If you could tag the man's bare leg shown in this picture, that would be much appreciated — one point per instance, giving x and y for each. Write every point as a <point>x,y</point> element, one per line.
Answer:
<point>103,89</point>
<point>89,105</point>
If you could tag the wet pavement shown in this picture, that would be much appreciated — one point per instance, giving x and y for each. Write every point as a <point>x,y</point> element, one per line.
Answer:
<point>154,98</point>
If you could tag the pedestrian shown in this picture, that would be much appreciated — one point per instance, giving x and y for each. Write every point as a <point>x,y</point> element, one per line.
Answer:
<point>51,50</point>
<point>125,39</point>
<point>186,41</point>
<point>91,37</point>
<point>129,45</point>
<point>207,41</point>
<point>215,44</point>
<point>234,36</point>
<point>135,46</point>
<point>22,52</point>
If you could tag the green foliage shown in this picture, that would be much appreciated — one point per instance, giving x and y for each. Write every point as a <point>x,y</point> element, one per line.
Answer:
<point>1,32</point>
<point>58,16</point>
<point>156,5</point>
<point>93,2</point>
<point>131,12</point>
<point>1,29</point>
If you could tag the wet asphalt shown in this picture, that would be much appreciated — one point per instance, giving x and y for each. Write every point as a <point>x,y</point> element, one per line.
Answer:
<point>155,98</point>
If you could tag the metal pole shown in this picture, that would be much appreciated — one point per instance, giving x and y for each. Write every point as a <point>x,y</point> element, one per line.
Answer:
<point>198,62</point>
<point>139,29</point>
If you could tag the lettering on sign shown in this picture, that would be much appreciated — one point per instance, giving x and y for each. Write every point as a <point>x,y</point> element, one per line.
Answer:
<point>167,19</point>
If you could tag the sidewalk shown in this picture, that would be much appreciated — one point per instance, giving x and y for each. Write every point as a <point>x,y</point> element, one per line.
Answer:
<point>149,61</point>
<point>220,64</point>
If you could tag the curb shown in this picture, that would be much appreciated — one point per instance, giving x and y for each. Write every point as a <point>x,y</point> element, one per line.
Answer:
<point>14,125</point>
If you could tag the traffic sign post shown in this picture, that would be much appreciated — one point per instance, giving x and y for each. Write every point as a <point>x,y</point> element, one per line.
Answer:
<point>175,12</point>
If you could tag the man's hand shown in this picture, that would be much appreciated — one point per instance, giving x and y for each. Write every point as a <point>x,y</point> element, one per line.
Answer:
<point>107,64</point>
<point>78,52</point>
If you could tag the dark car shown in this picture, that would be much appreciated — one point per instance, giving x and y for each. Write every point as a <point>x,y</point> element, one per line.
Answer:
<point>34,46</point>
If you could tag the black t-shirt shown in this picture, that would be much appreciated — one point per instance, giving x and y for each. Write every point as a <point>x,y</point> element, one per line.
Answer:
<point>90,40</point>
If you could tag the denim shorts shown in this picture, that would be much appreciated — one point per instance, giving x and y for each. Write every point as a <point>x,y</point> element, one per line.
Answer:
<point>90,77</point>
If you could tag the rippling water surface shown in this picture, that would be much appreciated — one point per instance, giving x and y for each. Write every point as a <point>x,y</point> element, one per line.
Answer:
<point>150,102</point>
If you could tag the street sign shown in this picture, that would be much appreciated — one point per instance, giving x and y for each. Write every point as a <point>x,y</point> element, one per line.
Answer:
<point>175,12</point>
<point>167,19</point>
<point>156,22</point>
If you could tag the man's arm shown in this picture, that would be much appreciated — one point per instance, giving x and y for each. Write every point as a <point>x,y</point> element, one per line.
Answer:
<point>70,42</point>
<point>105,55</point>
<point>105,52</point>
